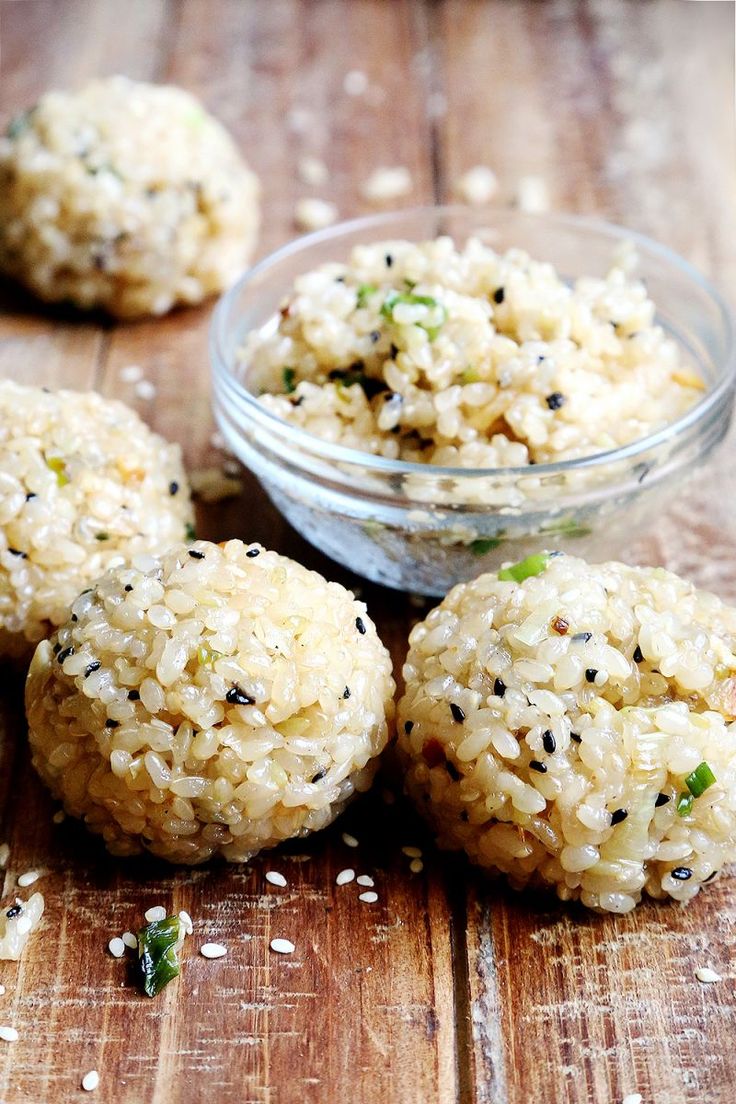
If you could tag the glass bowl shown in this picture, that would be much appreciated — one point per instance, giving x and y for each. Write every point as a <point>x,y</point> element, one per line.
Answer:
<point>423,528</point>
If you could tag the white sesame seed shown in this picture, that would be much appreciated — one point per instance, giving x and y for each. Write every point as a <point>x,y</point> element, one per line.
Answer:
<point>275,878</point>
<point>355,83</point>
<point>312,171</point>
<point>59,817</point>
<point>186,921</point>
<point>8,1034</point>
<point>282,946</point>
<point>705,974</point>
<point>477,186</point>
<point>416,866</point>
<point>314,214</point>
<point>2,990</point>
<point>130,940</point>
<point>158,912</point>
<point>532,195</point>
<point>90,1081</point>
<point>4,855</point>
<point>412,852</point>
<point>145,390</point>
<point>369,897</point>
<point>29,878</point>
<point>348,840</point>
<point>632,1098</point>
<point>131,373</point>
<point>387,183</point>
<point>212,950</point>
<point>345,876</point>
<point>116,947</point>
<point>365,880</point>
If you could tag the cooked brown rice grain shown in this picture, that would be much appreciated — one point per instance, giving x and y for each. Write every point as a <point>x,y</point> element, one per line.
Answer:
<point>214,719</point>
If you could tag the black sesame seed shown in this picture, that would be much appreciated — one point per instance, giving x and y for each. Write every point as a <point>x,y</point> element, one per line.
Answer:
<point>318,776</point>
<point>681,873</point>
<point>576,737</point>
<point>13,911</point>
<point>618,815</point>
<point>499,687</point>
<point>457,713</point>
<point>582,637</point>
<point>65,654</point>
<point>17,552</point>
<point>590,673</point>
<point>548,742</point>
<point>535,765</point>
<point>555,400</point>
<point>74,617</point>
<point>133,695</point>
<point>499,295</point>
<point>389,260</point>
<point>30,495</point>
<point>252,553</point>
<point>638,657</point>
<point>173,487</point>
<point>236,696</point>
<point>57,648</point>
<point>408,726</point>
<point>660,800</point>
<point>195,554</point>
<point>93,666</point>
<point>452,770</point>
<point>110,723</point>
<point>360,626</point>
<point>375,336</point>
<point>346,692</point>
<point>128,587</point>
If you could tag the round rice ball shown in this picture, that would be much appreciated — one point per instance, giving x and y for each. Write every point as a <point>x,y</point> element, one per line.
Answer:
<point>572,725</point>
<point>84,484</point>
<point>125,196</point>
<point>217,700</point>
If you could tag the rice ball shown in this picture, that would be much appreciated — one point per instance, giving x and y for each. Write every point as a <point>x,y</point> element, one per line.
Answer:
<point>125,196</point>
<point>84,484</point>
<point>571,725</point>
<point>217,700</point>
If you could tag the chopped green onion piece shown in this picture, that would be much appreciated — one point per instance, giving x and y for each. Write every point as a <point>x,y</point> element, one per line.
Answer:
<point>568,528</point>
<point>470,375</point>
<point>364,291</point>
<point>190,533</point>
<point>700,780</point>
<point>484,544</point>
<point>289,375</point>
<point>58,466</point>
<point>393,299</point>
<point>158,944</point>
<point>207,656</point>
<point>518,572</point>
<point>20,123</point>
<point>102,536</point>
<point>685,804</point>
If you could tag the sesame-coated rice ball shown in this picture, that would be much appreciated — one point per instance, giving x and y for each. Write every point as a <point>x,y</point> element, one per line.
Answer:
<point>572,725</point>
<point>217,700</point>
<point>125,196</point>
<point>84,484</point>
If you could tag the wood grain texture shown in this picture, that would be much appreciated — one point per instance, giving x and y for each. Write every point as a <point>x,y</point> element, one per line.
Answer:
<point>449,988</point>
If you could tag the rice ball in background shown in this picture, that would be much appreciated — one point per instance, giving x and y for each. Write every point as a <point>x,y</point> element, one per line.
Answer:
<point>84,484</point>
<point>572,725</point>
<point>125,196</point>
<point>218,700</point>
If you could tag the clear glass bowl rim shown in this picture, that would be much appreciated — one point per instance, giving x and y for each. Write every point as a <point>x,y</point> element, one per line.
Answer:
<point>301,438</point>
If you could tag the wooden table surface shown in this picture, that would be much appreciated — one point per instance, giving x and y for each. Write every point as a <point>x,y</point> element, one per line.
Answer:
<point>450,988</point>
